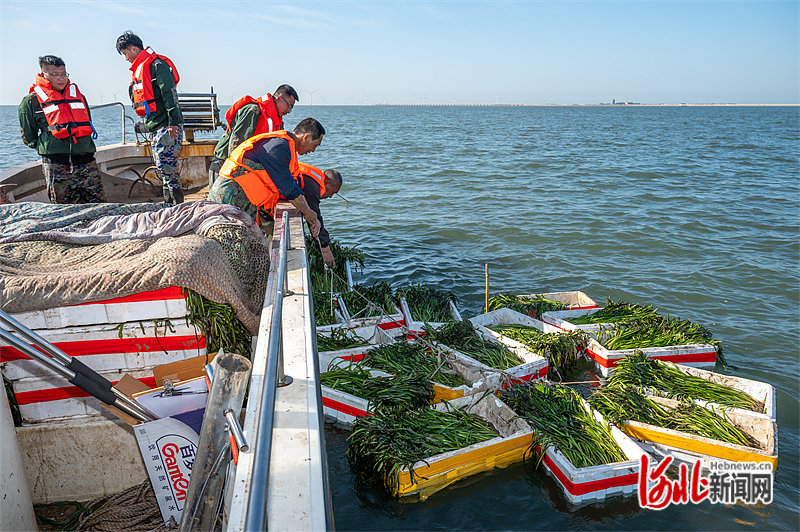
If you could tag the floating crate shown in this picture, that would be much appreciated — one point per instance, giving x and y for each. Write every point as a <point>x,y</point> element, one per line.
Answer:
<point>392,324</point>
<point>534,367</point>
<point>586,484</point>
<point>372,334</point>
<point>437,472</point>
<point>164,303</point>
<point>760,428</point>
<point>418,325</point>
<point>694,355</point>
<point>558,320</point>
<point>760,391</point>
<point>345,407</point>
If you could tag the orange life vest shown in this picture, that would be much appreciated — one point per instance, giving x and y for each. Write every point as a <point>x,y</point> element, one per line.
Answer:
<point>269,120</point>
<point>257,184</point>
<point>65,112</point>
<point>142,95</point>
<point>306,170</point>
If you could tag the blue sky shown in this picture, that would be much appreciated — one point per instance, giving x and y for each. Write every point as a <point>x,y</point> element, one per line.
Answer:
<point>422,52</point>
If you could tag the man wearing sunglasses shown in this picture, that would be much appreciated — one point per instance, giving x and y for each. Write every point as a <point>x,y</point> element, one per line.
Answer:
<point>54,120</point>
<point>252,116</point>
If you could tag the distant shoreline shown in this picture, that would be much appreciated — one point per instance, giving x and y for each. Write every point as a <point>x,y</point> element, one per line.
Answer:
<point>299,104</point>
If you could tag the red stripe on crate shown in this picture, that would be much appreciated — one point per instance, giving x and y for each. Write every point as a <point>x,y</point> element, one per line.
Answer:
<point>67,392</point>
<point>553,324</point>
<point>391,325</point>
<point>354,358</point>
<point>582,488</point>
<point>543,372</point>
<point>172,292</point>
<point>116,345</point>
<point>688,357</point>
<point>341,407</point>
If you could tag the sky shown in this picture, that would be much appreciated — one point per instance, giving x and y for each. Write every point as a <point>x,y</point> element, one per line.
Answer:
<point>479,52</point>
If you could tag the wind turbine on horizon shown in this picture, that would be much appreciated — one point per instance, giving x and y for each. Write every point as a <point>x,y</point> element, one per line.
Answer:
<point>311,96</point>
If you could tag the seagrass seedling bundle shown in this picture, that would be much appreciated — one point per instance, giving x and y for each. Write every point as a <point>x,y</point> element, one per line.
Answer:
<point>665,378</point>
<point>533,306</point>
<point>369,300</point>
<point>559,418</point>
<point>408,358</point>
<point>381,445</point>
<point>616,312</point>
<point>218,323</point>
<point>562,350</point>
<point>339,339</point>
<point>427,303</point>
<point>462,336</point>
<point>620,403</point>
<point>657,331</point>
<point>384,393</point>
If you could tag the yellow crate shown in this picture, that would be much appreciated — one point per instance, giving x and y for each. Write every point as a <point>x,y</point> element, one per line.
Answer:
<point>759,428</point>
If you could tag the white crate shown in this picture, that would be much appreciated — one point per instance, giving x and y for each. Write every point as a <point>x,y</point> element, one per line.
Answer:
<point>345,408</point>
<point>103,348</point>
<point>586,484</point>
<point>694,355</point>
<point>164,303</point>
<point>559,319</point>
<point>390,324</point>
<point>372,334</point>
<point>682,444</point>
<point>575,299</point>
<point>760,391</point>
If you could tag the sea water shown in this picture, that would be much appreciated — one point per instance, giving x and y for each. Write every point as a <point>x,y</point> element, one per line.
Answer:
<point>691,209</point>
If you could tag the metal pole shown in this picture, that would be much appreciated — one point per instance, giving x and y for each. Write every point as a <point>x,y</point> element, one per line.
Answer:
<point>99,387</point>
<point>73,365</point>
<point>231,374</point>
<point>256,520</point>
<point>486,270</point>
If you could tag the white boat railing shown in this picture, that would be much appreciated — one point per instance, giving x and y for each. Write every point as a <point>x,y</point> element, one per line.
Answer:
<point>281,482</point>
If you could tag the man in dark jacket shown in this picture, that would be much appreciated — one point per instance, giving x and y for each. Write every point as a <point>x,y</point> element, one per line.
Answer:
<point>155,97</point>
<point>61,134</point>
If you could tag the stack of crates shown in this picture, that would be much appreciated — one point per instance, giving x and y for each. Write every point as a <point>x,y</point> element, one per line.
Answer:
<point>129,334</point>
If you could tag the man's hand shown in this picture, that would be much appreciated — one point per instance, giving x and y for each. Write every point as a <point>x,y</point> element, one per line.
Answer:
<point>313,224</point>
<point>327,256</point>
<point>173,131</point>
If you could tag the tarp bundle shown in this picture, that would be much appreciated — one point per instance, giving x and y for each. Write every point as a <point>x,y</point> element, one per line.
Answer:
<point>56,255</point>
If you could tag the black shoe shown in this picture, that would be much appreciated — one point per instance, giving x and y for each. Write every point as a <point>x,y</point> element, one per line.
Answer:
<point>177,196</point>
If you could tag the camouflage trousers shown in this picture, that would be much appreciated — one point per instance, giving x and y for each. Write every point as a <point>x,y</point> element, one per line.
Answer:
<point>165,155</point>
<point>77,183</point>
<point>228,191</point>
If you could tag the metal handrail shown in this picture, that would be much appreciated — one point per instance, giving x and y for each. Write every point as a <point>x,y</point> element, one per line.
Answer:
<point>124,116</point>
<point>256,519</point>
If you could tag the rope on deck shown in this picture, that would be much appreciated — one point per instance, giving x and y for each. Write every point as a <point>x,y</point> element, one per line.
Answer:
<point>133,509</point>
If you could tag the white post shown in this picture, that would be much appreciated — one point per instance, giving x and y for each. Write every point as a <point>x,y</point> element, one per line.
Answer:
<point>16,509</point>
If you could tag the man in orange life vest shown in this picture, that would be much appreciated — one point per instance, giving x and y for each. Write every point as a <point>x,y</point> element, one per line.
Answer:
<point>250,116</point>
<point>54,120</point>
<point>318,185</point>
<point>155,97</point>
<point>263,169</point>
